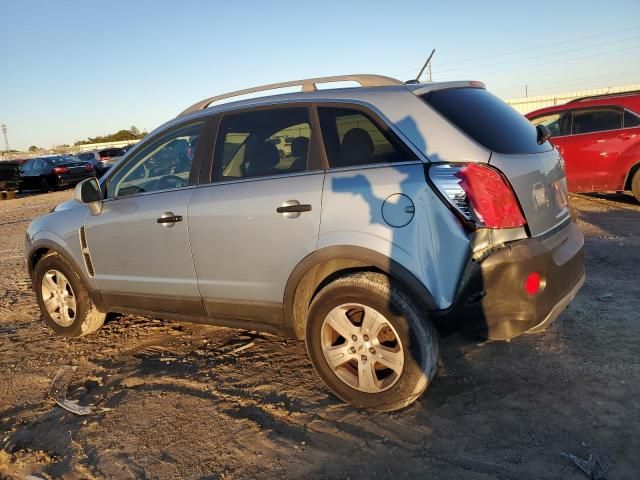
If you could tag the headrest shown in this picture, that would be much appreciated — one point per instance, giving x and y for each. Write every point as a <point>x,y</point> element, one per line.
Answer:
<point>357,147</point>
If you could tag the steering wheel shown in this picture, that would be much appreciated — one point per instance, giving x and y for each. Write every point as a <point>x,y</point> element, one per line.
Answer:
<point>170,181</point>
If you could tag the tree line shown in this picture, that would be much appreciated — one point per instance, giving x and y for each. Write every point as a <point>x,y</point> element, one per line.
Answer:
<point>121,135</point>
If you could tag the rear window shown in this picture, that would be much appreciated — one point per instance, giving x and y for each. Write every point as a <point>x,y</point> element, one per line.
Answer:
<point>486,119</point>
<point>112,152</point>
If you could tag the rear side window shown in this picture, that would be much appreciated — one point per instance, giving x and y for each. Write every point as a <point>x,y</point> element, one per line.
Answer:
<point>486,119</point>
<point>631,120</point>
<point>596,120</point>
<point>352,138</point>
<point>262,143</point>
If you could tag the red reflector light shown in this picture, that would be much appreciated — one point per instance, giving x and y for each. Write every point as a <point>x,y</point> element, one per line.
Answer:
<point>490,196</point>
<point>58,170</point>
<point>532,283</point>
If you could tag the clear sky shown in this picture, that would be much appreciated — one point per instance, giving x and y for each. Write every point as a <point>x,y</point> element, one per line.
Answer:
<point>73,69</point>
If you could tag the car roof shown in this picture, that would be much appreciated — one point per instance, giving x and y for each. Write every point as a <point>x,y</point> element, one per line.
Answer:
<point>372,86</point>
<point>628,100</point>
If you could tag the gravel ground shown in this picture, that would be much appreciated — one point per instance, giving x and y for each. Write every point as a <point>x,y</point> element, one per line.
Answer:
<point>181,401</point>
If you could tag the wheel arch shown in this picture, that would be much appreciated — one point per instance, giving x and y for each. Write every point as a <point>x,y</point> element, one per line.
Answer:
<point>632,171</point>
<point>321,267</point>
<point>42,248</point>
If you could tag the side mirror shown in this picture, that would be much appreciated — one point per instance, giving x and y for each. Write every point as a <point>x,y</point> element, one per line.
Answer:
<point>88,192</point>
<point>543,133</point>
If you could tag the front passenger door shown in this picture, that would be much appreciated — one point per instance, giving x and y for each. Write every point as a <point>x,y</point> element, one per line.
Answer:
<point>139,243</point>
<point>260,216</point>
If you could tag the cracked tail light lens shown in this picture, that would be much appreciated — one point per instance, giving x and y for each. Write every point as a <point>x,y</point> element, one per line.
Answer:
<point>480,195</point>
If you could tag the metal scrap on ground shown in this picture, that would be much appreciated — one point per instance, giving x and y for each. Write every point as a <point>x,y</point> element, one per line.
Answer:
<point>58,391</point>
<point>592,467</point>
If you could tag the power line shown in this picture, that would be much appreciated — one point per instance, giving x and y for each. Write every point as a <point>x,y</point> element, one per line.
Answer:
<point>541,47</point>
<point>561,60</point>
<point>540,56</point>
<point>571,80</point>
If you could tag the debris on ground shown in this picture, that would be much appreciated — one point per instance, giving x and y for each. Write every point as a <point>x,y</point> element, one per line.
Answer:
<point>606,297</point>
<point>592,467</point>
<point>58,391</point>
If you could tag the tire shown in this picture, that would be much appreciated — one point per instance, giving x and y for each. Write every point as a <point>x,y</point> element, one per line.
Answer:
<point>635,185</point>
<point>86,317</point>
<point>44,185</point>
<point>407,334</point>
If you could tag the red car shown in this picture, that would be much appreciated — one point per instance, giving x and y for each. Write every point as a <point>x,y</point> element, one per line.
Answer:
<point>599,139</point>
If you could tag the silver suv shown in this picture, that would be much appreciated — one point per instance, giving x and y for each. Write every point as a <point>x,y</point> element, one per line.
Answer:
<point>361,220</point>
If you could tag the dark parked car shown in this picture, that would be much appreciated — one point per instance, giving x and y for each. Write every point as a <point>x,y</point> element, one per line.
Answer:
<point>47,173</point>
<point>9,176</point>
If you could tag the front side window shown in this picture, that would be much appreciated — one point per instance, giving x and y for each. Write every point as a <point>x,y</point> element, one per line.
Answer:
<point>596,120</point>
<point>551,121</point>
<point>352,138</point>
<point>262,143</point>
<point>164,164</point>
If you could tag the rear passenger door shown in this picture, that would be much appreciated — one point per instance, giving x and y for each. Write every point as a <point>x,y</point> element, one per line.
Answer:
<point>259,215</point>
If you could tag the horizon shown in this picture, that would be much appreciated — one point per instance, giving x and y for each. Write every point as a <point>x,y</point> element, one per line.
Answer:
<point>106,79</point>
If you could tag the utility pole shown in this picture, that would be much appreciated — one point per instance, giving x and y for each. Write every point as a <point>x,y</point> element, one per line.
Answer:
<point>526,91</point>
<point>6,141</point>
<point>4,133</point>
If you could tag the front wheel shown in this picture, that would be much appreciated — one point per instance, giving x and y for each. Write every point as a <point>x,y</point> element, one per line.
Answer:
<point>63,300</point>
<point>370,342</point>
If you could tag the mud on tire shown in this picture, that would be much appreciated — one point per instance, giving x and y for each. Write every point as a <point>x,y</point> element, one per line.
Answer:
<point>86,318</point>
<point>405,332</point>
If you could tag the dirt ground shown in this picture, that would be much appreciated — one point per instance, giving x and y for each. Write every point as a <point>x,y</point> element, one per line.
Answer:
<point>181,401</point>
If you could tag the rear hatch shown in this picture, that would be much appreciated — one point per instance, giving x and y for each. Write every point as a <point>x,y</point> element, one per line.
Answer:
<point>535,171</point>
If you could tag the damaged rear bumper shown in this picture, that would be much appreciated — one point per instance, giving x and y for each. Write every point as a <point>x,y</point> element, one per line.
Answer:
<point>492,299</point>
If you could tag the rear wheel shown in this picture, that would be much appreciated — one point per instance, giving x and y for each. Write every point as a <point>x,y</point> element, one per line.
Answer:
<point>44,185</point>
<point>370,343</point>
<point>635,185</point>
<point>64,301</point>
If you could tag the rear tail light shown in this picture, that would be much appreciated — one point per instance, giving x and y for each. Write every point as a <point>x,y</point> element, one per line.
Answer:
<point>479,194</point>
<point>58,170</point>
<point>89,167</point>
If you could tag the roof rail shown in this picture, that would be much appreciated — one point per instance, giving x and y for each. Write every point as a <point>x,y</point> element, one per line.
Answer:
<point>308,85</point>
<point>604,95</point>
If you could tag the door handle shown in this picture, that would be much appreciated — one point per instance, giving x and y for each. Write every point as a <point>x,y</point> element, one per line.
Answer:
<point>294,208</point>
<point>168,219</point>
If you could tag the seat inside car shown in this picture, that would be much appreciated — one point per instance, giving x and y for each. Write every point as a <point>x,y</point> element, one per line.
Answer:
<point>357,148</point>
<point>299,150</point>
<point>261,159</point>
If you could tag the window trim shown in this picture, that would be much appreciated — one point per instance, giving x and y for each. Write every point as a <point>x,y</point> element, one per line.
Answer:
<point>314,157</point>
<point>195,165</point>
<point>396,140</point>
